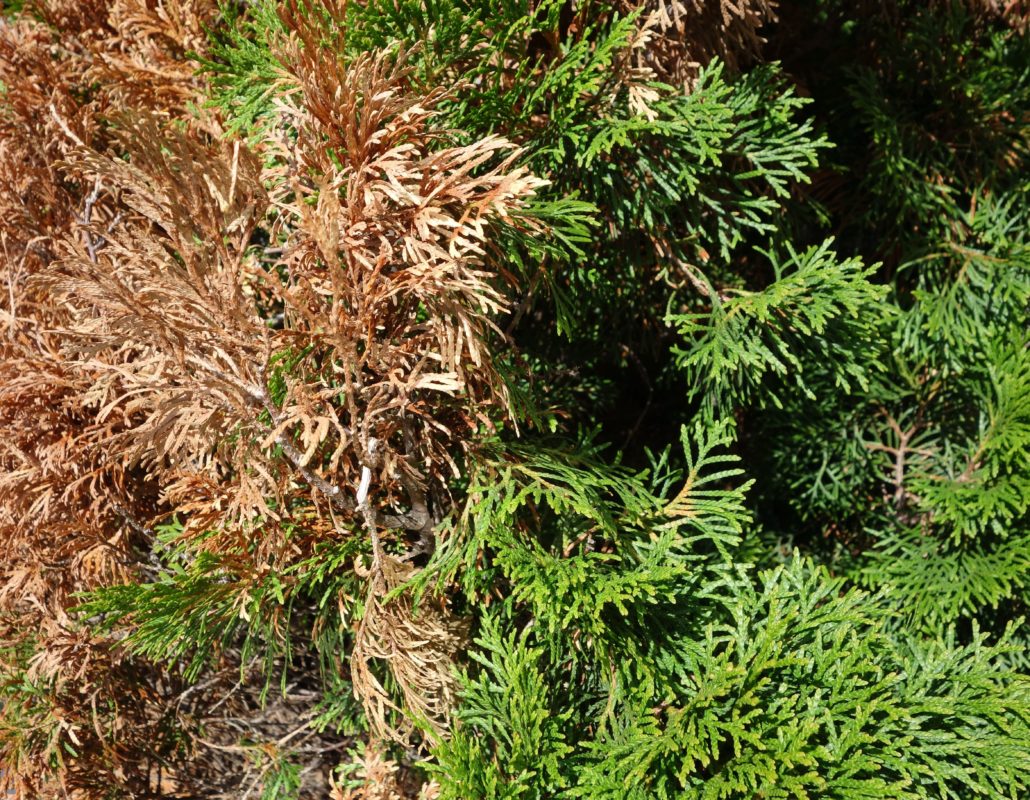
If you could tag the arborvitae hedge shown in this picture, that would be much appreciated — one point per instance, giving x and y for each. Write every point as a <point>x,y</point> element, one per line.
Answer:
<point>514,399</point>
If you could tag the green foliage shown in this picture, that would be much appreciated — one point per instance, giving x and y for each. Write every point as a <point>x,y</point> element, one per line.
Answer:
<point>818,310</point>
<point>281,777</point>
<point>934,583</point>
<point>803,694</point>
<point>519,746</point>
<point>798,688</point>
<point>244,74</point>
<point>190,611</point>
<point>711,685</point>
<point>917,483</point>
<point>196,608</point>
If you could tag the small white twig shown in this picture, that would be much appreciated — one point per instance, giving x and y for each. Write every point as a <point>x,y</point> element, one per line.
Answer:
<point>64,126</point>
<point>366,475</point>
<point>366,482</point>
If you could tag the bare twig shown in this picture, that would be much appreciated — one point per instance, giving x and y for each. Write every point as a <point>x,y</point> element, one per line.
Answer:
<point>899,455</point>
<point>87,217</point>
<point>64,127</point>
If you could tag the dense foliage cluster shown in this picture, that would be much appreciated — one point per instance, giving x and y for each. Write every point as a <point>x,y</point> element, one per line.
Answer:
<point>514,399</point>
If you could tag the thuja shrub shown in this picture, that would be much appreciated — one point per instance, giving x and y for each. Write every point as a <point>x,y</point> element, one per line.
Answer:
<point>551,399</point>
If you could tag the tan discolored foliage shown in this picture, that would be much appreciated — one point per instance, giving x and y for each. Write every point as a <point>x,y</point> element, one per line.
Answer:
<point>60,490</point>
<point>69,513</point>
<point>380,778</point>
<point>1014,13</point>
<point>325,385</point>
<point>685,35</point>
<point>382,288</point>
<point>102,716</point>
<point>134,50</point>
<point>145,64</point>
<point>419,646</point>
<point>73,515</point>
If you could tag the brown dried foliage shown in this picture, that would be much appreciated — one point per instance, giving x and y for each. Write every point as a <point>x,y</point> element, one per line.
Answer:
<point>419,646</point>
<point>383,289</point>
<point>155,359</point>
<point>382,779</point>
<point>1014,13</point>
<point>60,490</point>
<point>107,719</point>
<point>685,35</point>
<point>73,515</point>
<point>135,49</point>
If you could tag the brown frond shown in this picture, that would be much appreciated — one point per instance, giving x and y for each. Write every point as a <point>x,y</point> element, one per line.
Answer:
<point>92,700</point>
<point>1014,13</point>
<point>144,63</point>
<point>75,513</point>
<point>685,35</point>
<point>385,287</point>
<point>418,645</point>
<point>384,779</point>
